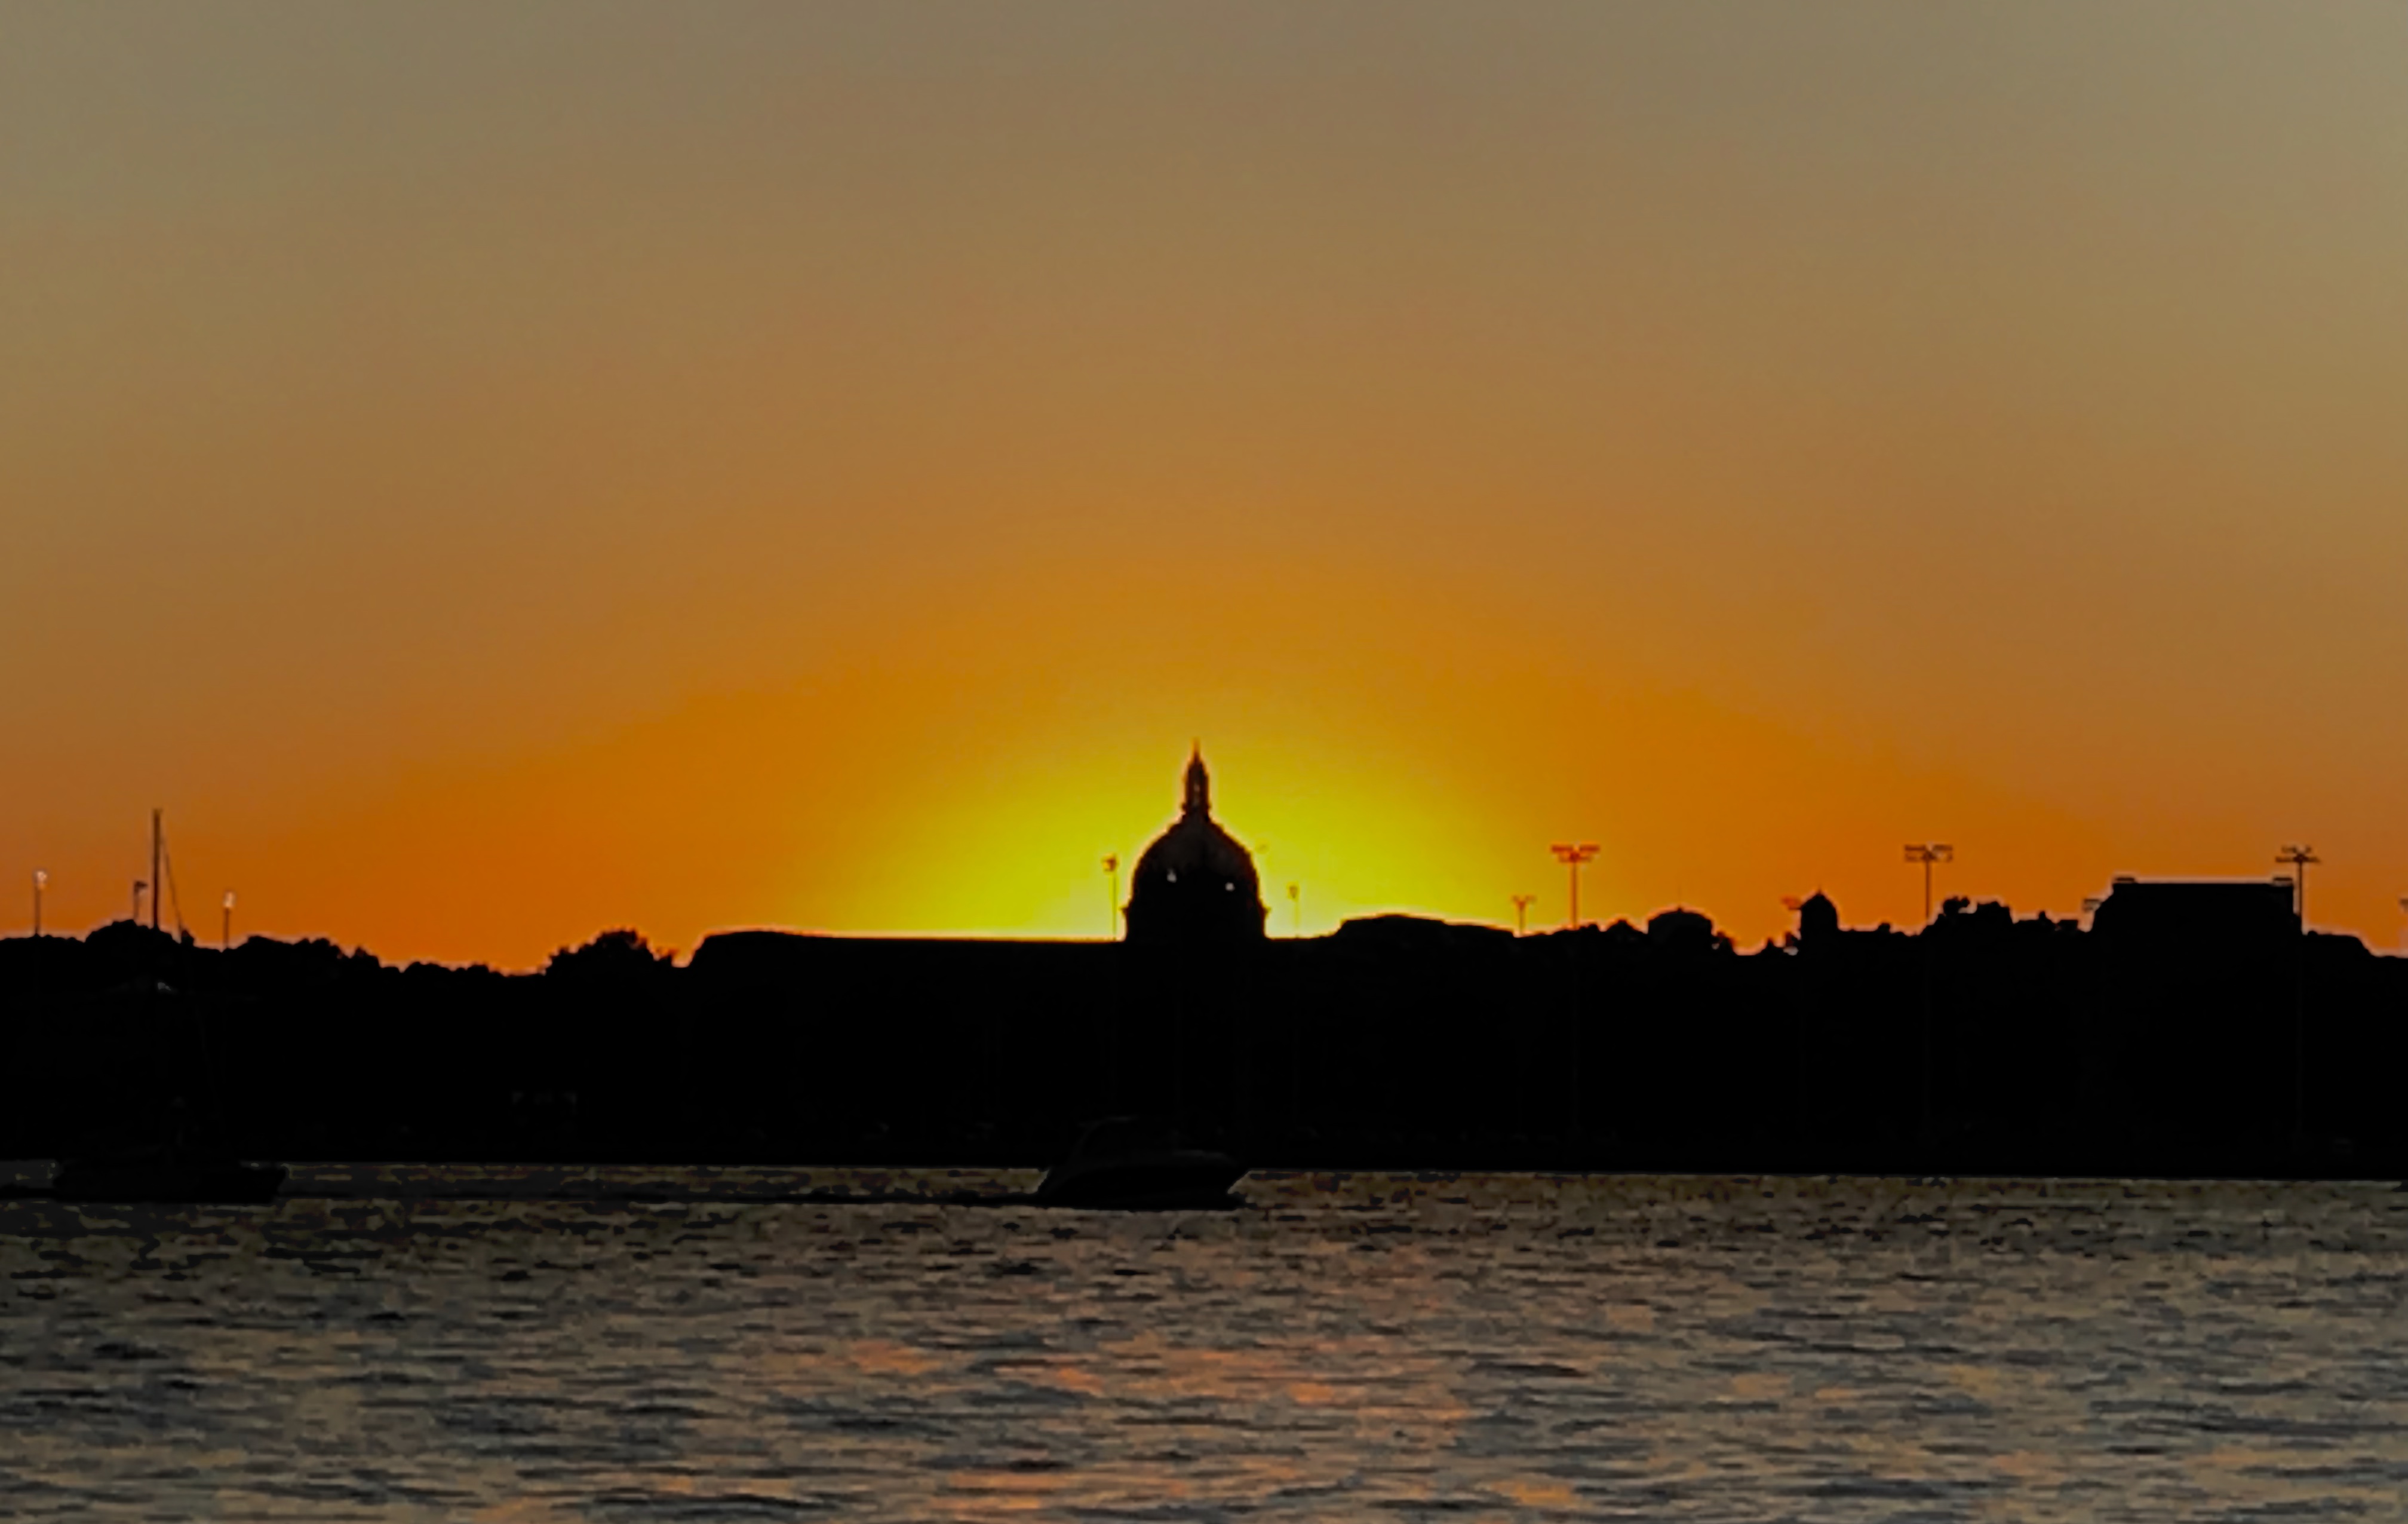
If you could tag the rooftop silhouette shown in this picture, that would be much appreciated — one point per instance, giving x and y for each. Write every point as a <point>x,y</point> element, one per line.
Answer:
<point>2192,1029</point>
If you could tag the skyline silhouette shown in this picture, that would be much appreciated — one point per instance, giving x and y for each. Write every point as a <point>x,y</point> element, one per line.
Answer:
<point>2191,1029</point>
<point>1193,838</point>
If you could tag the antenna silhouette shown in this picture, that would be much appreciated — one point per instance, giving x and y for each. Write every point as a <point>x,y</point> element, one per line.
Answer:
<point>1928,854</point>
<point>1522,904</point>
<point>2298,857</point>
<point>1571,857</point>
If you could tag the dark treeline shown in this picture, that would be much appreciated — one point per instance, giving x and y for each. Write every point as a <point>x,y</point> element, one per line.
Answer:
<point>2193,1030</point>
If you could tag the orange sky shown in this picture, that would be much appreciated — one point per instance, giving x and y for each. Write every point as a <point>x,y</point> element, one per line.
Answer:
<point>493,475</point>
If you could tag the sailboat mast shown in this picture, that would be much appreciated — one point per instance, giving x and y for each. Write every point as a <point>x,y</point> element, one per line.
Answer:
<point>157,841</point>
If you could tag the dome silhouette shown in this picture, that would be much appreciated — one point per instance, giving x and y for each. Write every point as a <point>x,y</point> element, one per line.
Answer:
<point>1196,883</point>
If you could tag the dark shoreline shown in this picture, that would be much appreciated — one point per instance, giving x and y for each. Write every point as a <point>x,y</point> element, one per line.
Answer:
<point>2210,1046</point>
<point>591,1185</point>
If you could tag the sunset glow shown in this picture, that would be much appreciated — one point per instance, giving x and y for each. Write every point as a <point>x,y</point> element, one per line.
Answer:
<point>496,475</point>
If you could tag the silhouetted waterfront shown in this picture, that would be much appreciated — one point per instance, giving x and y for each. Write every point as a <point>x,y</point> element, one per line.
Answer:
<point>2190,1030</point>
<point>538,1346</point>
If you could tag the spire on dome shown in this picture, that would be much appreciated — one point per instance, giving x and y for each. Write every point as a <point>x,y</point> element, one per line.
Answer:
<point>1200,784</point>
<point>1195,885</point>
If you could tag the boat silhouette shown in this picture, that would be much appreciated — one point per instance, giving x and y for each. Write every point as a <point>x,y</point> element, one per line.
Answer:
<point>1132,1163</point>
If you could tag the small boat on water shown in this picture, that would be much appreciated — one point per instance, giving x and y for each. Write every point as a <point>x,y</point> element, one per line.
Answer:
<point>159,1176</point>
<point>1138,1164</point>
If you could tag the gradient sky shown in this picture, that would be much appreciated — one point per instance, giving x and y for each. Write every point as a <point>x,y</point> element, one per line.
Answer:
<point>493,473</point>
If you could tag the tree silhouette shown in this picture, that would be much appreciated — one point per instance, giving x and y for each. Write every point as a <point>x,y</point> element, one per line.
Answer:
<point>618,956</point>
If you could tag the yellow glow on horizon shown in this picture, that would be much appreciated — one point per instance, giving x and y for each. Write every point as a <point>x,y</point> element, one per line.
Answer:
<point>1006,862</point>
<point>496,477</point>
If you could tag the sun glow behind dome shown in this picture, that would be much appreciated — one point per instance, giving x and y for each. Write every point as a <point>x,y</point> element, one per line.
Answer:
<point>495,476</point>
<point>1027,859</point>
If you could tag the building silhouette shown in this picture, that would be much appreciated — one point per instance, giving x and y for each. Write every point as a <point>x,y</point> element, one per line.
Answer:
<point>1196,885</point>
<point>2187,1029</point>
<point>1818,921</point>
<point>2198,916</point>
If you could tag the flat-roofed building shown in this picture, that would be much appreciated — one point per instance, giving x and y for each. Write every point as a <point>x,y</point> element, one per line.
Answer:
<point>2201,992</point>
<point>2205,911</point>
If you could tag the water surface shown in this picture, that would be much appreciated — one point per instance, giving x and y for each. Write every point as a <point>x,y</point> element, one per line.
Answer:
<point>532,1347</point>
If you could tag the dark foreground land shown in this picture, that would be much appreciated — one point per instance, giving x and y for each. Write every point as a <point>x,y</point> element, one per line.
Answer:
<point>2176,1038</point>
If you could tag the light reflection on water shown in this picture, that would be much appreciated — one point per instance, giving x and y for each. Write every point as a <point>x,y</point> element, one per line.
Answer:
<point>1497,1347</point>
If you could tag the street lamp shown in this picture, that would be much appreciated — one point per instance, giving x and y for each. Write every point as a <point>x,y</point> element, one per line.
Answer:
<point>1571,857</point>
<point>1113,910</point>
<point>225,933</point>
<point>41,881</point>
<point>1522,904</point>
<point>1296,909</point>
<point>1928,854</point>
<point>2298,857</point>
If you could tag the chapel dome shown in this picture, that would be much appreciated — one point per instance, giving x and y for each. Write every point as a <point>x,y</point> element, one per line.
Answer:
<point>1196,883</point>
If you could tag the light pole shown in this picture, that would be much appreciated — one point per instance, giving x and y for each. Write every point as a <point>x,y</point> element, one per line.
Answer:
<point>2298,857</point>
<point>1296,909</point>
<point>1572,854</point>
<point>41,881</point>
<point>1571,857</point>
<point>1522,904</point>
<point>225,933</point>
<point>1927,854</point>
<point>138,888</point>
<point>1112,909</point>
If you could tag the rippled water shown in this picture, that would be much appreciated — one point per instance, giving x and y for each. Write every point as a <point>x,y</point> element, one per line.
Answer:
<point>1350,1347</point>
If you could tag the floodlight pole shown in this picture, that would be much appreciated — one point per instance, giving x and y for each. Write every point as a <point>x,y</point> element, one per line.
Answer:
<point>1927,854</point>
<point>1571,856</point>
<point>2298,857</point>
